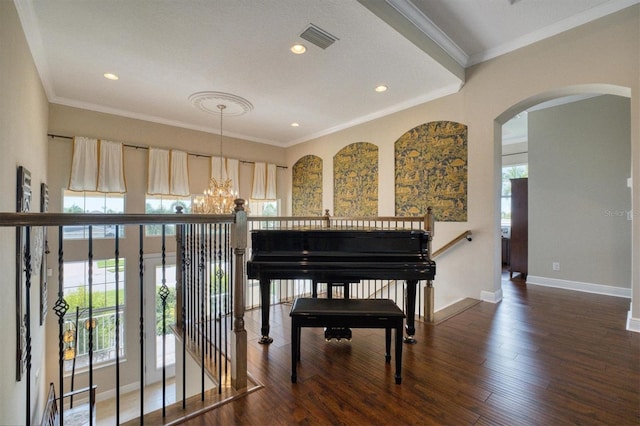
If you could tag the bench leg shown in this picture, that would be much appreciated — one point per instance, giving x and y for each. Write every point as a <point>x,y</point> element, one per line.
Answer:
<point>399,353</point>
<point>295,349</point>
<point>387,345</point>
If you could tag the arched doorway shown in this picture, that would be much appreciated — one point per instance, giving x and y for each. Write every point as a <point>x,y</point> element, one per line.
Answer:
<point>577,205</point>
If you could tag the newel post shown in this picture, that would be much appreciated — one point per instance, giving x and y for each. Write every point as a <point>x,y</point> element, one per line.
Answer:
<point>239,335</point>
<point>429,296</point>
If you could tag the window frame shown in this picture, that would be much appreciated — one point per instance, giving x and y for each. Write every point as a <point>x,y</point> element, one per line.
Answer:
<point>81,232</point>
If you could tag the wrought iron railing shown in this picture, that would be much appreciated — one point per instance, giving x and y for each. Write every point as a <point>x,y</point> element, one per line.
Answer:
<point>211,291</point>
<point>101,325</point>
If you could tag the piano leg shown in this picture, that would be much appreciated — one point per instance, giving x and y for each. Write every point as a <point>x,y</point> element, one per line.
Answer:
<point>265,306</point>
<point>410,311</point>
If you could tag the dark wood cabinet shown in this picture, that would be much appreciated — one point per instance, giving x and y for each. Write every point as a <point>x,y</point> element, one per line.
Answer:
<point>505,250</point>
<point>519,227</point>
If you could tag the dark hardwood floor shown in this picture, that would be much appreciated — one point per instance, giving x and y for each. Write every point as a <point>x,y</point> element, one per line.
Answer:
<point>542,356</point>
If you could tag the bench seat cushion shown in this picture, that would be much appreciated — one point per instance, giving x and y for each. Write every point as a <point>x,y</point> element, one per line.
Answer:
<point>345,307</point>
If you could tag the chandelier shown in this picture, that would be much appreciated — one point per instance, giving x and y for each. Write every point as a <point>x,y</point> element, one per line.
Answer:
<point>218,197</point>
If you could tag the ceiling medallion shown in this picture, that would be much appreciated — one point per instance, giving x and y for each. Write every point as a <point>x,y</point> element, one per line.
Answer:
<point>208,102</point>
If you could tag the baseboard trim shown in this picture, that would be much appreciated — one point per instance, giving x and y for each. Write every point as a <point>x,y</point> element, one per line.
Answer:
<point>491,296</point>
<point>633,324</point>
<point>454,309</point>
<point>579,286</point>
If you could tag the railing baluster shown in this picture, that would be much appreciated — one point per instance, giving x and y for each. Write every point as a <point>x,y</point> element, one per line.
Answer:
<point>228,302</point>
<point>141,320</point>
<point>212,289</point>
<point>117,255</point>
<point>220,274</point>
<point>90,325</point>
<point>200,299</point>
<point>183,313</point>
<point>27,318</point>
<point>164,292</point>
<point>60,308</point>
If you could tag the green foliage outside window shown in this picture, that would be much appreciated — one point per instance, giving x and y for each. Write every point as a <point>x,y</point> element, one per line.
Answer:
<point>161,205</point>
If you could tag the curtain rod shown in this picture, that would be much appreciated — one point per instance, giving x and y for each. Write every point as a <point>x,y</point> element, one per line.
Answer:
<point>195,154</point>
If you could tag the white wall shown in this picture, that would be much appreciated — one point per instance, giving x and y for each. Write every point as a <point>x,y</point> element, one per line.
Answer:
<point>23,142</point>
<point>579,163</point>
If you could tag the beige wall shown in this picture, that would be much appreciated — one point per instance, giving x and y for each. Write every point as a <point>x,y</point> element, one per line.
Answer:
<point>578,61</point>
<point>23,142</point>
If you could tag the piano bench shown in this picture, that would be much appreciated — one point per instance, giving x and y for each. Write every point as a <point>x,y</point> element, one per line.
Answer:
<point>353,313</point>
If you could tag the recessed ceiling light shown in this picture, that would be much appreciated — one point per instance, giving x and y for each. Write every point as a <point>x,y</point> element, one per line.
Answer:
<point>110,76</point>
<point>295,125</point>
<point>381,88</point>
<point>298,49</point>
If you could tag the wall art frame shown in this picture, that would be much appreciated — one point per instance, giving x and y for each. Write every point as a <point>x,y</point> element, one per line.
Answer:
<point>23,204</point>
<point>43,249</point>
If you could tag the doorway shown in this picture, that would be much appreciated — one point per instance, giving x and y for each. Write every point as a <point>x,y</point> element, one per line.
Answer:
<point>571,166</point>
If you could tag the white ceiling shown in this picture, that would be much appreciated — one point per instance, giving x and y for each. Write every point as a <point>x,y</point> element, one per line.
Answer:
<point>164,51</point>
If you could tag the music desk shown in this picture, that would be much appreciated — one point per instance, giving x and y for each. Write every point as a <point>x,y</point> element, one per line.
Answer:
<point>353,313</point>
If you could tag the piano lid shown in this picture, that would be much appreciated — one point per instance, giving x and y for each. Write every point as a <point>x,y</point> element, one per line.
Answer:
<point>334,254</point>
<point>339,242</point>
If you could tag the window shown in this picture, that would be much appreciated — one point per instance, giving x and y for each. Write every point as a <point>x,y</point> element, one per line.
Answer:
<point>91,202</point>
<point>510,172</point>
<point>103,301</point>
<point>158,204</point>
<point>264,207</point>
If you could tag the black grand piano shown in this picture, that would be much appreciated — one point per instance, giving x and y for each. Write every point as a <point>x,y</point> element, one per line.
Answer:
<point>340,256</point>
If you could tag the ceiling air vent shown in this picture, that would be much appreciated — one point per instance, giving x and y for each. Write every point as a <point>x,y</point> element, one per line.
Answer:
<point>318,36</point>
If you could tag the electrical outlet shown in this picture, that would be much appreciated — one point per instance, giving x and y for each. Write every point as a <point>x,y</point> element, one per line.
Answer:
<point>556,266</point>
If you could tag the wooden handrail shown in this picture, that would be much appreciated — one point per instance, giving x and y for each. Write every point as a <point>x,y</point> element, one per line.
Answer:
<point>465,235</point>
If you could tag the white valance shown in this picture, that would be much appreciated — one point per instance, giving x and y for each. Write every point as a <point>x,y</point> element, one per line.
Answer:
<point>264,182</point>
<point>93,172</point>
<point>84,164</point>
<point>179,173</point>
<point>158,178</point>
<point>111,168</point>
<point>259,174</point>
<point>232,173</point>
<point>271,182</point>
<point>218,169</point>
<point>168,172</point>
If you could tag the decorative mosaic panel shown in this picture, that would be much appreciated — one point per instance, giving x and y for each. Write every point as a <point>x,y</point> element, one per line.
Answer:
<point>431,171</point>
<point>355,180</point>
<point>306,188</point>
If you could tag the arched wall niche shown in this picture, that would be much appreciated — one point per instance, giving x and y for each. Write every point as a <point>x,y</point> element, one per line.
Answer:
<point>431,171</point>
<point>306,186</point>
<point>355,180</point>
